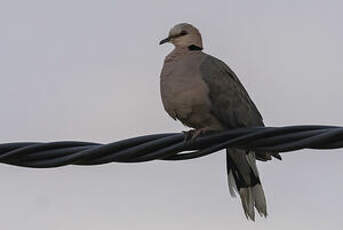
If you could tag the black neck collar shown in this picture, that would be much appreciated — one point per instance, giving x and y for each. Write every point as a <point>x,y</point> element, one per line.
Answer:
<point>194,47</point>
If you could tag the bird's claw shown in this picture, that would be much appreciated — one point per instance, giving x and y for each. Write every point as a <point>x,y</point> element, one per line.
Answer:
<point>191,135</point>
<point>188,135</point>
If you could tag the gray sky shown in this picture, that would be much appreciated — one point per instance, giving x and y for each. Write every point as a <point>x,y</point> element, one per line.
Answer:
<point>89,70</point>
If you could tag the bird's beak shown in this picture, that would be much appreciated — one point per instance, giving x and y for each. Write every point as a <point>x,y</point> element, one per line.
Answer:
<point>165,40</point>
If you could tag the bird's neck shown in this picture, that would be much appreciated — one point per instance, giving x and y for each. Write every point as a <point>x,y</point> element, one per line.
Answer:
<point>178,52</point>
<point>181,50</point>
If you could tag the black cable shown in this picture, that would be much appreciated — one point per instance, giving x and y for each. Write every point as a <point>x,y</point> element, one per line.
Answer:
<point>170,146</point>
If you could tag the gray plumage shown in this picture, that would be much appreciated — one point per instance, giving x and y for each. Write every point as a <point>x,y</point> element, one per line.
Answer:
<point>205,94</point>
<point>231,103</point>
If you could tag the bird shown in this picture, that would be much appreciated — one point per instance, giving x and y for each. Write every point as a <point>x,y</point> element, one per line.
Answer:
<point>203,93</point>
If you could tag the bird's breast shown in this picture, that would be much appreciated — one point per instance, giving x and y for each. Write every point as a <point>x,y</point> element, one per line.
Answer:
<point>182,92</point>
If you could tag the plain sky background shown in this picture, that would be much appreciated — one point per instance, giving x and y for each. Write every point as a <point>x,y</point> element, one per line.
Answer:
<point>89,70</point>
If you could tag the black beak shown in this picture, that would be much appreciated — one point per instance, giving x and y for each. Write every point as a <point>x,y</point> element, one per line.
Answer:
<point>165,40</point>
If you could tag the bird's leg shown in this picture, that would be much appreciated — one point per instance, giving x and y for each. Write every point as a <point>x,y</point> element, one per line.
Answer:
<point>189,134</point>
<point>199,132</point>
<point>192,134</point>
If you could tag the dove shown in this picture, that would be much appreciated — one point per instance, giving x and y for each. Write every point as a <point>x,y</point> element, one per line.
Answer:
<point>204,94</point>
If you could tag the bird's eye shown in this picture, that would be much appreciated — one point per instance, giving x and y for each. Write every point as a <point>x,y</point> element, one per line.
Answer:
<point>183,32</point>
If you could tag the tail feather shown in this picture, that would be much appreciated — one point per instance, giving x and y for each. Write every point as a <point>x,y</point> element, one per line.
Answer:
<point>247,199</point>
<point>260,200</point>
<point>232,184</point>
<point>243,178</point>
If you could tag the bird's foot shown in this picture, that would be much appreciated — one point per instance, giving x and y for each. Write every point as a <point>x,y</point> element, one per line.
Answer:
<point>192,134</point>
<point>188,134</point>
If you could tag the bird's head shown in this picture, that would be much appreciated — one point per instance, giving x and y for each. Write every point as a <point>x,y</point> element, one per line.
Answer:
<point>184,35</point>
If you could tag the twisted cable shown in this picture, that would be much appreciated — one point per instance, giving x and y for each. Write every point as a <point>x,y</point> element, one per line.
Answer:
<point>170,146</point>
